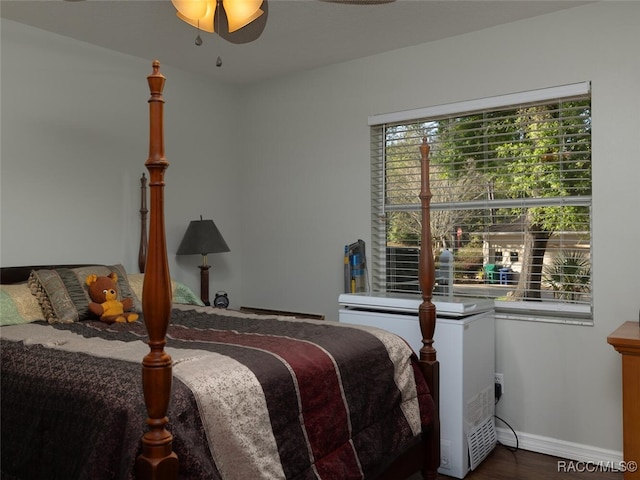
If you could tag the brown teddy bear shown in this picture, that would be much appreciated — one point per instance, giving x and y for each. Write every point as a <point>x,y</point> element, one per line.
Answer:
<point>105,304</point>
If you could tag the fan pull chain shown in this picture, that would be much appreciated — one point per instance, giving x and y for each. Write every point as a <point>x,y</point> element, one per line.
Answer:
<point>198,38</point>
<point>218,60</point>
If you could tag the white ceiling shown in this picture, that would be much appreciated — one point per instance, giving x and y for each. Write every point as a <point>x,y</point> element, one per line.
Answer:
<point>299,35</point>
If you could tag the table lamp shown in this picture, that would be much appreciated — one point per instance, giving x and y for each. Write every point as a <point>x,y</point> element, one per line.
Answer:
<point>202,237</point>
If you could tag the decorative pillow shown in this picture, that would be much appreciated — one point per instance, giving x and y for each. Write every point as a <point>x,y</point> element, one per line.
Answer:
<point>64,296</point>
<point>17,305</point>
<point>181,293</point>
<point>136,280</point>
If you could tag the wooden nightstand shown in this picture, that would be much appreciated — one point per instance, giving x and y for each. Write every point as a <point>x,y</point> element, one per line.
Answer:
<point>626,340</point>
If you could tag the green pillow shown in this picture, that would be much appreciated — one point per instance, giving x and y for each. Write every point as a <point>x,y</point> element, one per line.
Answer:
<point>181,293</point>
<point>18,305</point>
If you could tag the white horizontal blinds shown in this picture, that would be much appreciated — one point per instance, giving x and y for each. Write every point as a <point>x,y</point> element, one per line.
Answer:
<point>378,216</point>
<point>511,190</point>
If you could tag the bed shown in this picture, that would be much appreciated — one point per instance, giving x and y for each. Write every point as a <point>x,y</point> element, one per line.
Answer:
<point>222,394</point>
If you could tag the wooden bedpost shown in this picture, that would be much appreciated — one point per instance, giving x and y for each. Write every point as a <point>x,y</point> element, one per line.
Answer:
<point>157,461</point>
<point>427,317</point>
<point>142,251</point>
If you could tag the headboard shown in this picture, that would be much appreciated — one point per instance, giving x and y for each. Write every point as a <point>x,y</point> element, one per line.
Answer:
<point>10,275</point>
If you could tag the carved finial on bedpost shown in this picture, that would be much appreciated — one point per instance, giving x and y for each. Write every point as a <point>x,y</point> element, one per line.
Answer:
<point>156,134</point>
<point>157,461</point>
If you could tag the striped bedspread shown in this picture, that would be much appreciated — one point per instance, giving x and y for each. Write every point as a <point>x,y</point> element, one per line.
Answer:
<point>253,397</point>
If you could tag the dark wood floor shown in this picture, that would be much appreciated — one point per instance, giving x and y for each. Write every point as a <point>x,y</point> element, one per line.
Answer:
<point>503,464</point>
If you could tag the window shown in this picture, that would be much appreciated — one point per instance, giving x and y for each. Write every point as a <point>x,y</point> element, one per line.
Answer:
<point>511,200</point>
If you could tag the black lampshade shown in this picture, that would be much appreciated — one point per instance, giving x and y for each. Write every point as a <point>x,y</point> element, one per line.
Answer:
<point>203,237</point>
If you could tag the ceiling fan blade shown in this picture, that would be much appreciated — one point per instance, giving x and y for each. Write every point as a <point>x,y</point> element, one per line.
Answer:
<point>248,33</point>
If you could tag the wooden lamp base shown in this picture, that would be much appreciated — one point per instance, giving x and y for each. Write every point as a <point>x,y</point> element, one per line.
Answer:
<point>204,283</point>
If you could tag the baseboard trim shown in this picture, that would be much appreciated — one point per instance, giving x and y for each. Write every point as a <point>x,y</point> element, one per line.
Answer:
<point>557,448</point>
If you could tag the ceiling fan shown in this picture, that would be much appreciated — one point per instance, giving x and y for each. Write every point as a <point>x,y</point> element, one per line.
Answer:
<point>237,21</point>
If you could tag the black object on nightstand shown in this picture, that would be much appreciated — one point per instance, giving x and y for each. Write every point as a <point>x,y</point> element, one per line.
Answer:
<point>221,300</point>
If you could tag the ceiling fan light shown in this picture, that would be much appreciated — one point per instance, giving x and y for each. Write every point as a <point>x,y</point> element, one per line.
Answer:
<point>241,13</point>
<point>205,22</point>
<point>191,9</point>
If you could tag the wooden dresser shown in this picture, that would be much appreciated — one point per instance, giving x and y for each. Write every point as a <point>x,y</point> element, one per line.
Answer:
<point>626,340</point>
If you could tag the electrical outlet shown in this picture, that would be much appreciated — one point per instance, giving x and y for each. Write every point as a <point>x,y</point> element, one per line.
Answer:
<point>499,379</point>
<point>445,454</point>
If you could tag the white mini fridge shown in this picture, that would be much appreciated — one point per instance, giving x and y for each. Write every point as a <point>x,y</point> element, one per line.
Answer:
<point>465,343</point>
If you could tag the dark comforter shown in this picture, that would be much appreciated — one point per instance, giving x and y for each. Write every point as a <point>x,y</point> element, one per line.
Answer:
<point>253,397</point>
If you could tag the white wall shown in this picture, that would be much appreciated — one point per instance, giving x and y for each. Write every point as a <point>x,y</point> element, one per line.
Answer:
<point>75,136</point>
<point>307,193</point>
<point>290,199</point>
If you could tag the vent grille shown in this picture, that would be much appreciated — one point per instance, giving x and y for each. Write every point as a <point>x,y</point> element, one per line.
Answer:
<point>482,440</point>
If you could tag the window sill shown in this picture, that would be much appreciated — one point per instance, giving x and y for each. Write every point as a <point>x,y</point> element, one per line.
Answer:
<point>544,312</point>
